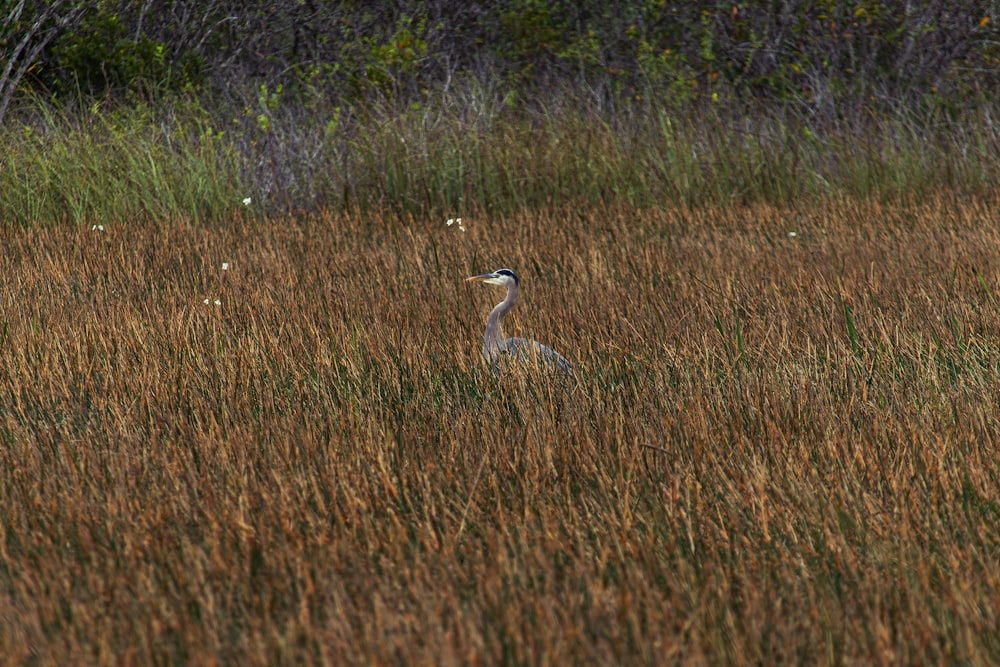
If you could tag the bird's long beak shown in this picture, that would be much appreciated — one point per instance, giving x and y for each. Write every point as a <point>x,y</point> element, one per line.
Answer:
<point>479,279</point>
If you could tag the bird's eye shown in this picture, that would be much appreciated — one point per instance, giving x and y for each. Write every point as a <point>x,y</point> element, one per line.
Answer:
<point>508,273</point>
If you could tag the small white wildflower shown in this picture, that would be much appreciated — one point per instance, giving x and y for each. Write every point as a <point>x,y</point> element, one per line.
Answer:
<point>461,227</point>
<point>792,234</point>
<point>97,228</point>
<point>218,303</point>
<point>205,302</point>
<point>247,201</point>
<point>225,266</point>
<point>451,221</point>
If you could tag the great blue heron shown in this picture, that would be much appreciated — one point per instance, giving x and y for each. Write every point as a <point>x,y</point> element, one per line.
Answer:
<point>495,346</point>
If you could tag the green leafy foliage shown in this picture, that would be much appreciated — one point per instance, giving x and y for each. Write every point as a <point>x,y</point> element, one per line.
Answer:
<point>817,55</point>
<point>430,107</point>
<point>101,57</point>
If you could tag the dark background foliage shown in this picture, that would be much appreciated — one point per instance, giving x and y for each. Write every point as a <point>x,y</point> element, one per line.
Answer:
<point>830,57</point>
<point>444,105</point>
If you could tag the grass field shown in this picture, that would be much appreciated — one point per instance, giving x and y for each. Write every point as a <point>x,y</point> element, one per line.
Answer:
<point>780,445</point>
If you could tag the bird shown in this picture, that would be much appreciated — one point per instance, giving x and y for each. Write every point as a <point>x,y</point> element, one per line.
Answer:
<point>495,347</point>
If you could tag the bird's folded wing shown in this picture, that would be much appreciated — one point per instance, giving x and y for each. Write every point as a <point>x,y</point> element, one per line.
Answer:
<point>533,350</point>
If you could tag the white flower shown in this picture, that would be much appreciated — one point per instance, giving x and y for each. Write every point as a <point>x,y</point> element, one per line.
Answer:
<point>792,234</point>
<point>97,228</point>
<point>247,201</point>
<point>225,266</point>
<point>456,221</point>
<point>205,302</point>
<point>218,303</point>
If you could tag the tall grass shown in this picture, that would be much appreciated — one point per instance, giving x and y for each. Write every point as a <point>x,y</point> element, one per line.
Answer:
<point>477,154</point>
<point>121,166</point>
<point>321,470</point>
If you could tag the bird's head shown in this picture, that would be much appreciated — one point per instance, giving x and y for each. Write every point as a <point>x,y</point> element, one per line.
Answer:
<point>504,277</point>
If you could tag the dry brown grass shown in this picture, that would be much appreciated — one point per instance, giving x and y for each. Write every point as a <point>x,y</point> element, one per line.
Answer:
<point>321,470</point>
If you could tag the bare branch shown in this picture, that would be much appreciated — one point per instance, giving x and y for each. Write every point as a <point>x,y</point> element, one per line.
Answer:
<point>31,44</point>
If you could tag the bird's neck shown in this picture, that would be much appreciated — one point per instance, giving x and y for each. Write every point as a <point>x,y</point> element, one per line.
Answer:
<point>493,341</point>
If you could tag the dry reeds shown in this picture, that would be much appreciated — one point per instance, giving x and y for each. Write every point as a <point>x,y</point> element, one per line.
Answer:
<point>780,444</point>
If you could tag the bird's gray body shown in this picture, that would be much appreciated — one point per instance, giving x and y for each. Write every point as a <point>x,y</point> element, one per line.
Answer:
<point>496,348</point>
